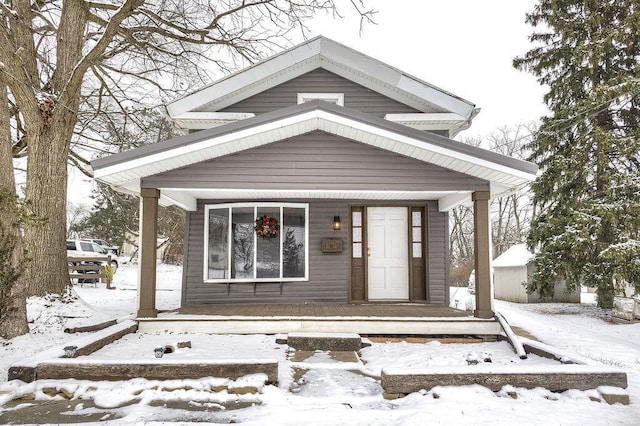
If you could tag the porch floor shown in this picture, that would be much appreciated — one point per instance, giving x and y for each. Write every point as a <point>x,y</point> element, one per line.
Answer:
<point>328,310</point>
<point>366,319</point>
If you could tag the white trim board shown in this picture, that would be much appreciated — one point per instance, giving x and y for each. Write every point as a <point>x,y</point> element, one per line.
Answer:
<point>305,122</point>
<point>321,52</point>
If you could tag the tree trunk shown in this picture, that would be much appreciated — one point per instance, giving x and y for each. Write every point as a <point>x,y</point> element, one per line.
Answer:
<point>46,195</point>
<point>13,307</point>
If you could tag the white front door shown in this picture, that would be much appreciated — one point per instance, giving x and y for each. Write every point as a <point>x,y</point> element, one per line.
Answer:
<point>388,253</point>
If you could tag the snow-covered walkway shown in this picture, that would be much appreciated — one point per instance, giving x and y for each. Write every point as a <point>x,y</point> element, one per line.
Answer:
<point>332,392</point>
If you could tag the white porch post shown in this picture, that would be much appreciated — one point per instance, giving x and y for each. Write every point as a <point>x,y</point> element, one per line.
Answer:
<point>482,254</point>
<point>147,252</point>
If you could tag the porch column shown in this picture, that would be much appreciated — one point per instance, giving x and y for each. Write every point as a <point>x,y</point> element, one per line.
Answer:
<point>482,254</point>
<point>147,252</point>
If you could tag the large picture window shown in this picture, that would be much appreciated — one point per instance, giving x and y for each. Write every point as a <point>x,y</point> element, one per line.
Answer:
<point>234,252</point>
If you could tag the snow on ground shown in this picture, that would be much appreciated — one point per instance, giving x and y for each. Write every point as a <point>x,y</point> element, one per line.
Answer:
<point>319,389</point>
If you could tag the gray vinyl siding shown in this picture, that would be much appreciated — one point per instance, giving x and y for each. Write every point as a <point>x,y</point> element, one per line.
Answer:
<point>328,273</point>
<point>328,282</point>
<point>317,161</point>
<point>320,80</point>
<point>438,238</point>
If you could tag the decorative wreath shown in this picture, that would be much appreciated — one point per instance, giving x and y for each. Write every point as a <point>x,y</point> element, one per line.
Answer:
<point>267,227</point>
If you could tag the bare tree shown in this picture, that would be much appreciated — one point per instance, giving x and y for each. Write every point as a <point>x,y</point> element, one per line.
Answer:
<point>510,214</point>
<point>13,309</point>
<point>76,214</point>
<point>461,245</point>
<point>67,63</point>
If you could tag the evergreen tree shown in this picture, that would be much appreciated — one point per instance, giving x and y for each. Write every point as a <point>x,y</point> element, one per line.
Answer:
<point>587,197</point>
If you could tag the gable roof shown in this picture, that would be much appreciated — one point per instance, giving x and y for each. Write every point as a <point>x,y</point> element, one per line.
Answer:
<point>125,170</point>
<point>327,54</point>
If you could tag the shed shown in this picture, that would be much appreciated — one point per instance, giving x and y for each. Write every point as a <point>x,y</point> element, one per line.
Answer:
<point>513,269</point>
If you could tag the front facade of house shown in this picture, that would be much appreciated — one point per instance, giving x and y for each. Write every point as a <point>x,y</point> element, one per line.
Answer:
<point>316,135</point>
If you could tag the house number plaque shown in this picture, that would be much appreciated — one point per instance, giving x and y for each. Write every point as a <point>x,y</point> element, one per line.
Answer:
<point>331,245</point>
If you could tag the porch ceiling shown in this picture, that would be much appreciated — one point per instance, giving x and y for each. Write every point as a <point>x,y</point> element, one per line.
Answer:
<point>125,171</point>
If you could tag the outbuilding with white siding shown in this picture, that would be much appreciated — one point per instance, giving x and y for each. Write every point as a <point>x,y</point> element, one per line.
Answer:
<point>513,270</point>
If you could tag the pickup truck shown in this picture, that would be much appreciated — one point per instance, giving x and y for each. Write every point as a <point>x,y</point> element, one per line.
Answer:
<point>88,248</point>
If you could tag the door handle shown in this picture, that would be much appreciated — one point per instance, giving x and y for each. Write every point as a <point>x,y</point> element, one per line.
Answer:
<point>369,251</point>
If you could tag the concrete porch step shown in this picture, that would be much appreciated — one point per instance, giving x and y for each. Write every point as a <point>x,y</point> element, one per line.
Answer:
<point>310,341</point>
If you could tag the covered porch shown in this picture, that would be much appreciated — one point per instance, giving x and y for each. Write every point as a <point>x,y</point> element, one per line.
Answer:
<point>216,166</point>
<point>363,319</point>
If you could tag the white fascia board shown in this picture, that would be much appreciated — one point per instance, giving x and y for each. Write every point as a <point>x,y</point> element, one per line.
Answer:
<point>181,199</point>
<point>231,193</point>
<point>229,116</point>
<point>451,201</point>
<point>435,96</point>
<point>386,88</point>
<point>354,61</point>
<point>207,120</point>
<point>207,143</point>
<point>242,80</point>
<point>332,56</point>
<point>327,119</point>
<point>428,121</point>
<point>437,117</point>
<point>312,120</point>
<point>345,61</point>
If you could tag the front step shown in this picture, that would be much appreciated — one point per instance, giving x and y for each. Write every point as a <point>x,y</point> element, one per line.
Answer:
<point>306,341</point>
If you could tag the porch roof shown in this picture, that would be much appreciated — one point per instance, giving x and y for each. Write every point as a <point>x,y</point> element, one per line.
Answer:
<point>124,171</point>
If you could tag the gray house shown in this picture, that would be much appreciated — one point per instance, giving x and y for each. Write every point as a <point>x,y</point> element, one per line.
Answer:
<point>320,175</point>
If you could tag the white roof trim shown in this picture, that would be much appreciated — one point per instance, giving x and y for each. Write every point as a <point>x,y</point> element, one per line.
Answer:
<point>127,174</point>
<point>428,121</point>
<point>181,199</point>
<point>215,147</point>
<point>189,196</point>
<point>462,163</point>
<point>322,52</point>
<point>452,200</point>
<point>303,123</point>
<point>207,120</point>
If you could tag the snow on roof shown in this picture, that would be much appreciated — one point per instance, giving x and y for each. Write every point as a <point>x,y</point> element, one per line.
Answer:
<point>517,255</point>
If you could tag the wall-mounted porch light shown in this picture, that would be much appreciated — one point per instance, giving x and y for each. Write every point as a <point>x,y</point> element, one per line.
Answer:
<point>336,223</point>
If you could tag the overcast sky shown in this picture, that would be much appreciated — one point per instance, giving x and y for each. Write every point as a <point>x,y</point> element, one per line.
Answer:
<point>463,46</point>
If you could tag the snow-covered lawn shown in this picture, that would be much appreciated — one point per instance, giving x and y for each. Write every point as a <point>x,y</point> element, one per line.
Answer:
<point>320,389</point>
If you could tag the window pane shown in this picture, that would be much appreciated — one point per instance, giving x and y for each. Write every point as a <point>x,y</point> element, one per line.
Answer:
<point>218,243</point>
<point>357,235</point>
<point>356,219</point>
<point>417,235</point>
<point>417,250</point>
<point>268,249</point>
<point>416,218</point>
<point>293,247</point>
<point>357,250</point>
<point>242,222</point>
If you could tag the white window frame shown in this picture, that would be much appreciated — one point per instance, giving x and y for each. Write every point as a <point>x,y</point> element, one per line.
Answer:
<point>337,98</point>
<point>229,207</point>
